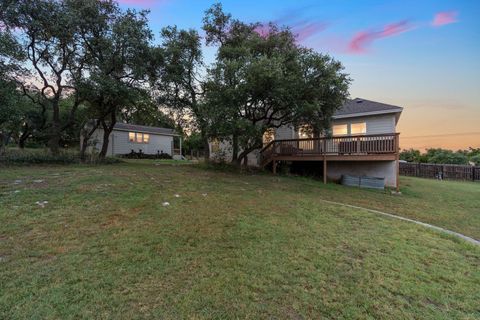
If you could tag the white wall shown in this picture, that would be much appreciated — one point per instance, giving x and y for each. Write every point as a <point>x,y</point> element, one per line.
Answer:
<point>119,143</point>
<point>379,169</point>
<point>378,124</point>
<point>285,132</point>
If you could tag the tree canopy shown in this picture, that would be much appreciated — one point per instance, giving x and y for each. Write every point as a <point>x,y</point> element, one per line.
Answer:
<point>80,60</point>
<point>442,156</point>
<point>264,79</point>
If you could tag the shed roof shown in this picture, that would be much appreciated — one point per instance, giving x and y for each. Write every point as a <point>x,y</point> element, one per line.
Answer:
<point>146,129</point>
<point>358,107</point>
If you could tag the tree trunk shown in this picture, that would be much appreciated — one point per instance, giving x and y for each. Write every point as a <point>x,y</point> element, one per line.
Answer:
<point>107,130</point>
<point>206,146</point>
<point>54,140</point>
<point>242,156</point>
<point>24,136</point>
<point>234,148</point>
<point>2,144</point>
<point>86,135</point>
<point>83,149</point>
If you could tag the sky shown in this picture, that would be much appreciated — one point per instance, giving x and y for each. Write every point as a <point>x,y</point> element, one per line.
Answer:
<point>421,55</point>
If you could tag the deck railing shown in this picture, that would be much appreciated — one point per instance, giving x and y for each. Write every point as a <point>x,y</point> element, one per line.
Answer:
<point>345,145</point>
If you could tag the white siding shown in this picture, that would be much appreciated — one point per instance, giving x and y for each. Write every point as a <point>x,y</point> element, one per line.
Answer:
<point>379,124</point>
<point>284,132</point>
<point>379,169</point>
<point>119,143</point>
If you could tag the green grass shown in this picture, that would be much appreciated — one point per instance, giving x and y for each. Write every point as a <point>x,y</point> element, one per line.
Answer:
<point>231,246</point>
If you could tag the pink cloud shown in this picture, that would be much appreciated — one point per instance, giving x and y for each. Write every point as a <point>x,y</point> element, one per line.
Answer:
<point>443,18</point>
<point>262,29</point>
<point>361,40</point>
<point>304,31</point>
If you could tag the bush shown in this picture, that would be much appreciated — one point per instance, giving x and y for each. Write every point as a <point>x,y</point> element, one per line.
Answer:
<point>43,156</point>
<point>141,155</point>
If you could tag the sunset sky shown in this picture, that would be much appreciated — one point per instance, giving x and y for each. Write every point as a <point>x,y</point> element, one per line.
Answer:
<point>421,55</point>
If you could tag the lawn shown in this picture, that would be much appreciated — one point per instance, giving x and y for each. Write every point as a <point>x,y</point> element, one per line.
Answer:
<point>229,245</point>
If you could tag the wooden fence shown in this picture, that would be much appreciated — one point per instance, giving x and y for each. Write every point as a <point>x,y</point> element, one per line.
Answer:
<point>440,171</point>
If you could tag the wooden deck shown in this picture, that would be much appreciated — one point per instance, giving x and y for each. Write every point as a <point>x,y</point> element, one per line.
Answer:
<point>379,147</point>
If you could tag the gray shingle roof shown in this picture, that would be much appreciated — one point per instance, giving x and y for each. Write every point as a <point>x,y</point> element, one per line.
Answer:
<point>359,105</point>
<point>146,129</point>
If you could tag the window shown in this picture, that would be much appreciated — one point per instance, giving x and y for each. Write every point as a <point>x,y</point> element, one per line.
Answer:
<point>340,130</point>
<point>358,128</point>
<point>268,136</point>
<point>137,137</point>
<point>305,132</point>
<point>215,145</point>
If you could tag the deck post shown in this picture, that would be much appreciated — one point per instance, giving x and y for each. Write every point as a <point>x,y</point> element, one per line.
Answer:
<point>325,169</point>
<point>274,167</point>
<point>324,161</point>
<point>397,161</point>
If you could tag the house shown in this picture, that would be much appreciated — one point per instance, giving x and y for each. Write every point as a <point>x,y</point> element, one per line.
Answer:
<point>149,140</point>
<point>363,142</point>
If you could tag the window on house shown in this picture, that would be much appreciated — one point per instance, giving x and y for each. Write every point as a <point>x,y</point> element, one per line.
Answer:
<point>268,136</point>
<point>358,128</point>
<point>138,137</point>
<point>305,132</point>
<point>146,138</point>
<point>340,129</point>
<point>215,145</point>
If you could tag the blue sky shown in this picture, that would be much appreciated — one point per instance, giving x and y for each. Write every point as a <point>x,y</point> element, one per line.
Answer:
<point>422,55</point>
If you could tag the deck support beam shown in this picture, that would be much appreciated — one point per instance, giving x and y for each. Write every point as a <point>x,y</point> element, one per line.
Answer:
<point>397,172</point>
<point>397,162</point>
<point>324,147</point>
<point>274,167</point>
<point>325,170</point>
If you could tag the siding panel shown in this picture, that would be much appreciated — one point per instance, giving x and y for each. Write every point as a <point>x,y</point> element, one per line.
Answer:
<point>120,143</point>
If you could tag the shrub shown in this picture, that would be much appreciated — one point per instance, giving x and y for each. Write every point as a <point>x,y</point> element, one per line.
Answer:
<point>43,156</point>
<point>141,155</point>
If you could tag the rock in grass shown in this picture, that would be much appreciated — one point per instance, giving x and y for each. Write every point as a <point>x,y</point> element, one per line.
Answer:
<point>41,203</point>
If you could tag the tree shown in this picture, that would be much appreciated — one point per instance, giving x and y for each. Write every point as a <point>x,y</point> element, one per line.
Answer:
<point>443,156</point>
<point>118,62</point>
<point>411,155</point>
<point>193,143</point>
<point>179,87</point>
<point>8,111</point>
<point>264,80</point>
<point>46,31</point>
<point>146,112</point>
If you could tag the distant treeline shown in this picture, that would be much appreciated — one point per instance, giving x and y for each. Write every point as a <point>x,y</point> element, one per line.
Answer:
<point>442,156</point>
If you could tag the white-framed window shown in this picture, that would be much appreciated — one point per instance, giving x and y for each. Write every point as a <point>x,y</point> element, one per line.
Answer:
<point>358,128</point>
<point>137,137</point>
<point>340,129</point>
